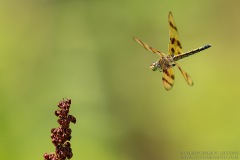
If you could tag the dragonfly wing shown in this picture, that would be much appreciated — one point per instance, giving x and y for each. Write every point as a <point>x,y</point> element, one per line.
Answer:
<point>174,46</point>
<point>147,47</point>
<point>185,75</point>
<point>168,78</point>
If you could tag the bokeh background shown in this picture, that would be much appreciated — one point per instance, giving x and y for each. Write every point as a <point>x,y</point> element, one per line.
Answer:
<point>83,50</point>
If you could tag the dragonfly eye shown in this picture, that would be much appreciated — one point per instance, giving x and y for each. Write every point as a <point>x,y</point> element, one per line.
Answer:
<point>153,66</point>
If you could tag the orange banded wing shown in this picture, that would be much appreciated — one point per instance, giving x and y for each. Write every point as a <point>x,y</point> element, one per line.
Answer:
<point>174,46</point>
<point>147,47</point>
<point>168,78</point>
<point>185,75</point>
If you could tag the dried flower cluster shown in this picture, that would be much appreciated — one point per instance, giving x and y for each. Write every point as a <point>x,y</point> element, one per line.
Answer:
<point>62,135</point>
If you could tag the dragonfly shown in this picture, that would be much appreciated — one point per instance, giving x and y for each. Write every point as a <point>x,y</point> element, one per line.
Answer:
<point>166,62</point>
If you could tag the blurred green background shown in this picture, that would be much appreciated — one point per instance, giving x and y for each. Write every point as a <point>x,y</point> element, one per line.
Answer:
<point>83,50</point>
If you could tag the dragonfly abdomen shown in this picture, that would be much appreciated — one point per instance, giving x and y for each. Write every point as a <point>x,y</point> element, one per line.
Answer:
<point>183,55</point>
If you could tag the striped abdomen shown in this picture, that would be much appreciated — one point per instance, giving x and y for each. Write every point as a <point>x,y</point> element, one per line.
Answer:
<point>183,55</point>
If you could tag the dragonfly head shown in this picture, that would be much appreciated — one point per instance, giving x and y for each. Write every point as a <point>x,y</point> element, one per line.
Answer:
<point>153,66</point>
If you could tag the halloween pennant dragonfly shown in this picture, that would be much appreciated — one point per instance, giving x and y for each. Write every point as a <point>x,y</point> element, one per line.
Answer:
<point>166,62</point>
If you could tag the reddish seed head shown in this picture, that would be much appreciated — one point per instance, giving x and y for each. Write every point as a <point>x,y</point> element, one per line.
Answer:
<point>62,135</point>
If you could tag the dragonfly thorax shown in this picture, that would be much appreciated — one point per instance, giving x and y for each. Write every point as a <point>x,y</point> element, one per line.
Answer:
<point>163,64</point>
<point>166,62</point>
